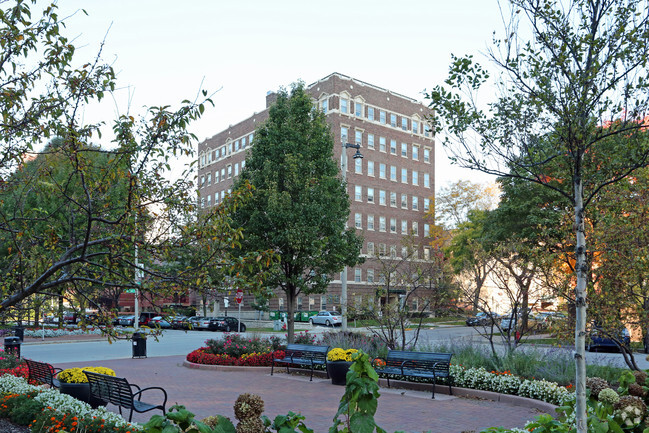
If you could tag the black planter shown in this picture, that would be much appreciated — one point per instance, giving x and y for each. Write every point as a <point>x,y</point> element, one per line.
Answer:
<point>338,371</point>
<point>81,391</point>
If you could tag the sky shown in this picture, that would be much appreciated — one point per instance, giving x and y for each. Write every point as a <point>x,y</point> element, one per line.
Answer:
<point>166,51</point>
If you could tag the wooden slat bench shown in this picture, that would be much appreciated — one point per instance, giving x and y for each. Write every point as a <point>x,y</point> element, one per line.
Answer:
<point>118,391</point>
<point>303,354</point>
<point>425,365</point>
<point>43,372</point>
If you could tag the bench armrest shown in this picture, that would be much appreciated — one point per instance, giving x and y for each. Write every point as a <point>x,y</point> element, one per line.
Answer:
<point>139,393</point>
<point>132,385</point>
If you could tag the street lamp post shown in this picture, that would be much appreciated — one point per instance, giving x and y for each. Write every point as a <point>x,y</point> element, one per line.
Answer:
<point>343,278</point>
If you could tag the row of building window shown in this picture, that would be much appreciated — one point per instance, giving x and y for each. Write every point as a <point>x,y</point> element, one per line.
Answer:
<point>375,114</point>
<point>219,176</point>
<point>395,173</point>
<point>218,198</point>
<point>381,197</point>
<point>382,251</point>
<point>218,154</point>
<point>405,150</point>
<point>413,229</point>
<point>330,301</point>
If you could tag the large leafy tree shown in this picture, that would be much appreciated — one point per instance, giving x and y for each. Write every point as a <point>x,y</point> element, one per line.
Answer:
<point>299,205</point>
<point>82,217</point>
<point>574,89</point>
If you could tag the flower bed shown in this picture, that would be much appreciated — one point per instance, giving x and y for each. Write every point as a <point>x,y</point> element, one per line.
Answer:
<point>254,359</point>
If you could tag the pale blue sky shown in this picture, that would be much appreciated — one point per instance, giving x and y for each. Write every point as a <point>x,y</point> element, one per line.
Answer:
<point>163,50</point>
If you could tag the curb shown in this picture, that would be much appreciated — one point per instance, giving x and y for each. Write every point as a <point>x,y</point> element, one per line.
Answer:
<point>515,400</point>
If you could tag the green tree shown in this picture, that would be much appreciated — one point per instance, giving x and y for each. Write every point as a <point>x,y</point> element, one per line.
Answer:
<point>299,205</point>
<point>575,91</point>
<point>454,202</point>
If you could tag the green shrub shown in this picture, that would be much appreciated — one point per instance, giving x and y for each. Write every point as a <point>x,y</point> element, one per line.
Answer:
<point>371,345</point>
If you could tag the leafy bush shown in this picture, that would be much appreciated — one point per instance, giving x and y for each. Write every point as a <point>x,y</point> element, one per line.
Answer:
<point>371,345</point>
<point>304,338</point>
<point>8,360</point>
<point>235,345</point>
<point>254,359</point>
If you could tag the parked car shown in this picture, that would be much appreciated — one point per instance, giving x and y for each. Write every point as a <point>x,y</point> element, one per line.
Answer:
<point>327,318</point>
<point>598,339</point>
<point>127,321</point>
<point>508,323</point>
<point>481,319</point>
<point>70,317</point>
<point>159,322</point>
<point>145,317</point>
<point>204,324</point>
<point>178,322</point>
<point>193,322</point>
<point>226,324</point>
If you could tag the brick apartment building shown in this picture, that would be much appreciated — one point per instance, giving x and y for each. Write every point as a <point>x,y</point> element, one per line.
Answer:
<point>390,189</point>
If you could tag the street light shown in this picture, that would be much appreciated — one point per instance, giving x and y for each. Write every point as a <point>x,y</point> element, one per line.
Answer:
<point>343,278</point>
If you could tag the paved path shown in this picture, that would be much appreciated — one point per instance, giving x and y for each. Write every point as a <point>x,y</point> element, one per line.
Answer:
<point>209,392</point>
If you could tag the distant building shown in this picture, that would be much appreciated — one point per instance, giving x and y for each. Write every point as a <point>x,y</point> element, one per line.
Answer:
<point>391,188</point>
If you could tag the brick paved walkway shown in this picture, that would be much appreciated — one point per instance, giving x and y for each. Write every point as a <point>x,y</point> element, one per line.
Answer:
<point>209,392</point>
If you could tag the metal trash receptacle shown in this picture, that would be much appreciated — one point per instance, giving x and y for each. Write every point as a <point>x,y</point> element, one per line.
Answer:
<point>277,325</point>
<point>139,345</point>
<point>12,345</point>
<point>19,332</point>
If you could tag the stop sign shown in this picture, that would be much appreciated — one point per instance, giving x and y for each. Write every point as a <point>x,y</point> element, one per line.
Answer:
<point>239,296</point>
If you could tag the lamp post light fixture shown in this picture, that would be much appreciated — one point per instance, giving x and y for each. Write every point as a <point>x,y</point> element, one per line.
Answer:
<point>343,277</point>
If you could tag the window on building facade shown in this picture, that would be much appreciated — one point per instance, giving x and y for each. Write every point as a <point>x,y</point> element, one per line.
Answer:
<point>236,145</point>
<point>404,123</point>
<point>382,224</point>
<point>404,175</point>
<point>236,169</point>
<point>209,200</point>
<point>358,165</point>
<point>426,204</point>
<point>426,253</point>
<point>243,164</point>
<point>393,199</point>
<point>370,275</point>
<point>216,177</point>
<point>393,120</point>
<point>202,201</point>
<point>229,171</point>
<point>393,225</point>
<point>415,126</point>
<point>393,254</point>
<point>229,148</point>
<point>203,160</point>
<point>426,180</point>
<point>426,155</point>
<point>393,173</point>
<point>382,249</point>
<point>370,222</point>
<point>382,144</point>
<point>415,202</point>
<point>344,133</point>
<point>426,230</point>
<point>358,220</point>
<point>415,177</point>
<point>370,248</point>
<point>209,179</point>
<point>222,195</point>
<point>344,105</point>
<point>357,275</point>
<point>216,197</point>
<point>382,116</point>
<point>370,113</point>
<point>202,182</point>
<point>209,157</point>
<point>358,109</point>
<point>243,143</point>
<point>404,150</point>
<point>404,201</point>
<point>370,195</point>
<point>382,197</point>
<point>223,173</point>
<point>324,106</point>
<point>358,193</point>
<point>404,254</point>
<point>370,141</point>
<point>370,168</point>
<point>251,138</point>
<point>393,147</point>
<point>382,171</point>
<point>415,228</point>
<point>404,227</point>
<point>358,137</point>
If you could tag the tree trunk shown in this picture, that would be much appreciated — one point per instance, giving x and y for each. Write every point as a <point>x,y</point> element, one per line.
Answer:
<point>580,309</point>
<point>290,311</point>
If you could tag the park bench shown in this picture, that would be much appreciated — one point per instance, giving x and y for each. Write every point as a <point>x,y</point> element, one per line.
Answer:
<point>426,365</point>
<point>118,391</point>
<point>303,354</point>
<point>43,372</point>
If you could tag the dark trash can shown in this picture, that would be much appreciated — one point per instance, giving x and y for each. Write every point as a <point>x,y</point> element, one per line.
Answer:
<point>19,332</point>
<point>12,345</point>
<point>139,345</point>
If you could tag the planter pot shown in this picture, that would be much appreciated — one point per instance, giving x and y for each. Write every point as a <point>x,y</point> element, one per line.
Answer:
<point>338,371</point>
<point>81,391</point>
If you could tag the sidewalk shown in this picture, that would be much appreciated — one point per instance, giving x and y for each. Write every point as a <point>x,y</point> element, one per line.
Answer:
<point>211,392</point>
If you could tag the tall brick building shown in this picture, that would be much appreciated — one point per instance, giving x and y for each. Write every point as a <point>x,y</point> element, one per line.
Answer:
<point>390,189</point>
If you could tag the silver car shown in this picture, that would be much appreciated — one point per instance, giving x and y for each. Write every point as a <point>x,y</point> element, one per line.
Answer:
<point>327,318</point>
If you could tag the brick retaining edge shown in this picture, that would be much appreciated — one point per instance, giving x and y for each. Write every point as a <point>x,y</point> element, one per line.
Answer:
<point>400,384</point>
